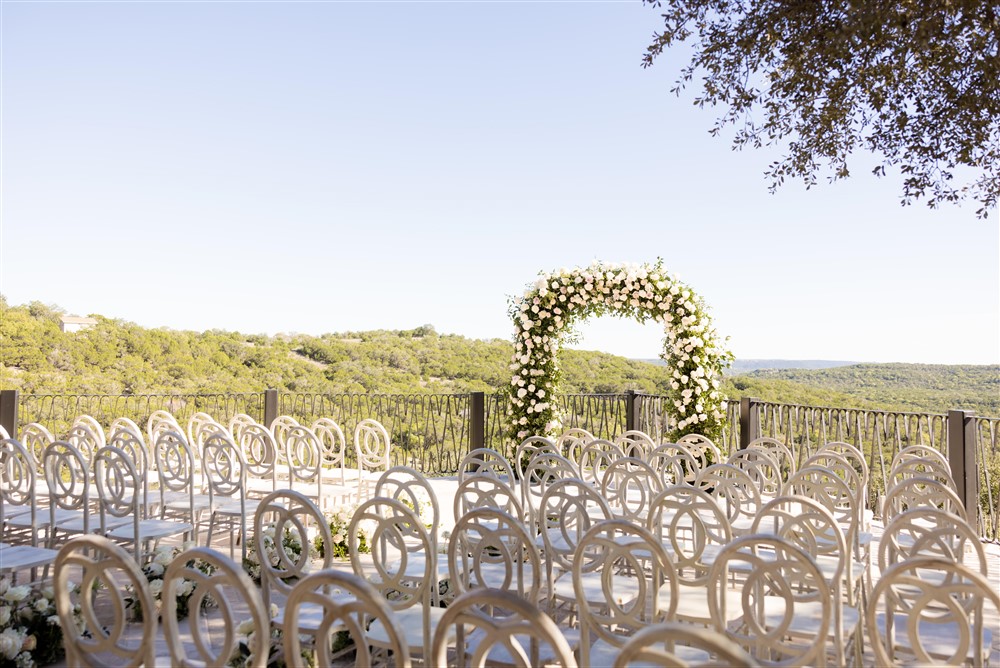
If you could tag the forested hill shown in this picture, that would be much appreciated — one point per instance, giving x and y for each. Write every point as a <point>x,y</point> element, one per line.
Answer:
<point>117,357</point>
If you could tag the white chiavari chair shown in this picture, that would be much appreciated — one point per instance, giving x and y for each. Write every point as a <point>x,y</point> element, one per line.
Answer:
<point>779,452</point>
<point>260,452</point>
<point>333,449</point>
<point>35,438</point>
<point>412,489</point>
<point>924,531</point>
<point>86,441</point>
<point>920,452</point>
<point>93,426</point>
<point>67,475</point>
<point>572,442</point>
<point>735,492</point>
<point>485,461</point>
<point>762,468</point>
<point>176,466</point>
<point>914,467</point>
<point>595,458</point>
<point>915,492</point>
<point>160,421</point>
<point>372,446</point>
<point>629,485</point>
<point>635,443</point>
<point>675,464</point>
<point>856,459</point>
<point>702,448</point>
<point>544,468</point>
<point>225,471</point>
<point>238,422</point>
<point>19,512</point>
<point>491,549</point>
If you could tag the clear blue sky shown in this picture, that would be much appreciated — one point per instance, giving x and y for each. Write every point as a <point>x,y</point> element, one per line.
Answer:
<point>312,167</point>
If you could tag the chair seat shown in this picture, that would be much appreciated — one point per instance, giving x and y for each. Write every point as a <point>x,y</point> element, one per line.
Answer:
<point>149,529</point>
<point>93,523</point>
<point>310,614</point>
<point>808,615</point>
<point>410,623</point>
<point>604,654</point>
<point>625,588</point>
<point>938,639</point>
<point>42,518</point>
<point>233,507</point>
<point>692,603</point>
<point>181,501</point>
<point>20,557</point>
<point>499,655</point>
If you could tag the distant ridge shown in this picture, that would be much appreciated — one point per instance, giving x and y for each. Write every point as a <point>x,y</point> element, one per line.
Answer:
<point>746,366</point>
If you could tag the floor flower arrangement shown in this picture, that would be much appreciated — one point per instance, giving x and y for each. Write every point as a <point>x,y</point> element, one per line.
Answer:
<point>30,630</point>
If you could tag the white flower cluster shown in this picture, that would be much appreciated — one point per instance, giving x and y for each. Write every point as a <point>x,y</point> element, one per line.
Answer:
<point>646,292</point>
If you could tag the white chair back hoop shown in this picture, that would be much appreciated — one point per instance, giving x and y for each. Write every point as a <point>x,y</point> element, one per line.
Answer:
<point>305,461</point>
<point>544,468</point>
<point>485,461</point>
<point>914,467</point>
<point>133,445</point>
<point>372,445</point>
<point>491,549</point>
<point>503,628</point>
<point>692,527</point>
<point>634,584</point>
<point>283,527</point>
<point>808,525</point>
<point>635,443</point>
<point>224,466</point>
<point>104,570</point>
<point>833,492</point>
<point>779,452</point>
<point>174,464</point>
<point>279,429</point>
<point>782,587</point>
<point>17,489</point>
<point>629,485</point>
<point>569,508</point>
<point>126,424</point>
<point>260,452</point>
<point>200,426</point>
<point>237,422</point>
<point>93,426</point>
<point>223,585</point>
<point>915,492</point>
<point>931,532</point>
<point>571,443</point>
<point>486,492</point>
<point>85,440</point>
<point>35,438</point>
<point>762,468</point>
<point>527,449</point>
<point>734,490</point>
<point>920,452</point>
<point>352,607</point>
<point>932,612</point>
<point>703,448</point>
<point>595,458</point>
<point>159,421</point>
<point>675,464</point>
<point>117,484</point>
<point>332,443</point>
<point>654,646</point>
<point>67,475</point>
<point>412,488</point>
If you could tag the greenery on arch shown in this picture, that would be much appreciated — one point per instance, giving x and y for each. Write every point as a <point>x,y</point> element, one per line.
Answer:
<point>544,317</point>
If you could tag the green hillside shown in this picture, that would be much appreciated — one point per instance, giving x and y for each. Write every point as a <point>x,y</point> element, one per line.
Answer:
<point>118,357</point>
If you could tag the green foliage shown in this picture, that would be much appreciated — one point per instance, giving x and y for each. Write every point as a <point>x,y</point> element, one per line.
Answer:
<point>916,82</point>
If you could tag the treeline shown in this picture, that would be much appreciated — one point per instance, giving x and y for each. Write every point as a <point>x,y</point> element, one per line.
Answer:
<point>118,357</point>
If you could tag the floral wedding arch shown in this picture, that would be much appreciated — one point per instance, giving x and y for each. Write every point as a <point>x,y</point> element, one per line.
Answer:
<point>549,308</point>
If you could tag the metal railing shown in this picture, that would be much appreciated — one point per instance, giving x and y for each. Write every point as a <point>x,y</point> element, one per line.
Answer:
<point>432,432</point>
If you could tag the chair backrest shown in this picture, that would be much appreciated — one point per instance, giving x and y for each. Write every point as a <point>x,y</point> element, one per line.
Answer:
<point>283,525</point>
<point>629,485</point>
<point>117,485</point>
<point>93,426</point>
<point>692,526</point>
<point>931,532</point>
<point>595,458</point>
<point>35,438</point>
<point>779,452</point>
<point>200,426</point>
<point>410,487</point>
<point>174,463</point>
<point>17,479</point>
<point>395,529</point>
<point>344,602</point>
<point>571,443</point>
<point>569,508</point>
<point>544,468</point>
<point>261,454</point>
<point>159,421</point>
<point>932,593</point>
<point>915,467</point>
<point>920,452</point>
<point>762,468</point>
<point>132,444</point>
<point>675,464</point>
<point>852,454</point>
<point>126,424</point>
<point>486,461</point>
<point>372,445</point>
<point>915,492</point>
<point>635,443</point>
<point>794,585</point>
<point>510,631</point>
<point>219,584</point>
<point>238,422</point>
<point>103,569</point>
<point>489,548</point>
<point>486,492</point>
<point>654,646</point>
<point>702,448</point>
<point>332,443</point>
<point>527,449</point>
<point>82,437</point>
<point>305,460</point>
<point>67,475</point>
<point>224,467</point>
<point>833,492</point>
<point>736,491</point>
<point>638,583</point>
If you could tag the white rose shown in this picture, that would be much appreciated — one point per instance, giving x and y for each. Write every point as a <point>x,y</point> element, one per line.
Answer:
<point>41,605</point>
<point>156,587</point>
<point>245,627</point>
<point>17,594</point>
<point>4,615</point>
<point>155,569</point>
<point>10,643</point>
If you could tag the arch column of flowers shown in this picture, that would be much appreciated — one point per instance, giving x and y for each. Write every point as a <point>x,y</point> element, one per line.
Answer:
<point>549,308</point>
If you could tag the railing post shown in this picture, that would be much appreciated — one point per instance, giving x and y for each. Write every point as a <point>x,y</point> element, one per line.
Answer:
<point>631,414</point>
<point>477,420</point>
<point>749,421</point>
<point>9,403</point>
<point>962,458</point>
<point>270,407</point>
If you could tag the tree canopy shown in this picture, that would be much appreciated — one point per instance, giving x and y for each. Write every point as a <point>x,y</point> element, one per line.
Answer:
<point>916,82</point>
